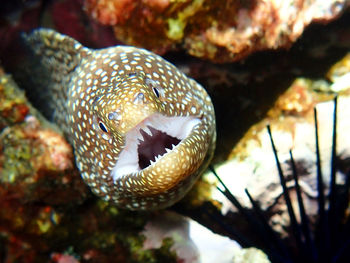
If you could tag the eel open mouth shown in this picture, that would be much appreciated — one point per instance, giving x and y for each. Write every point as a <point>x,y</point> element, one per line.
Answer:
<point>154,146</point>
<point>151,140</point>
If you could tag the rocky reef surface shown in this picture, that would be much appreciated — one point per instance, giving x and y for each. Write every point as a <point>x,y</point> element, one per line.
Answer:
<point>208,29</point>
<point>214,30</point>
<point>251,164</point>
<point>49,215</point>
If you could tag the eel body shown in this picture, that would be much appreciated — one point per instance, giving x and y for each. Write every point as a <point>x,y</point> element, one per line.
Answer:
<point>142,131</point>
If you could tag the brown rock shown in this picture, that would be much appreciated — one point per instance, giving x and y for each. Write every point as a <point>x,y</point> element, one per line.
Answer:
<point>220,32</point>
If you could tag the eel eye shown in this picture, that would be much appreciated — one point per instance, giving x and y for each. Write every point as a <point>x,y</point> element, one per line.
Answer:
<point>156,92</point>
<point>102,126</point>
<point>154,84</point>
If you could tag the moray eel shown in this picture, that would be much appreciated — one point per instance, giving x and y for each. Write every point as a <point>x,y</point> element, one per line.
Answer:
<point>142,131</point>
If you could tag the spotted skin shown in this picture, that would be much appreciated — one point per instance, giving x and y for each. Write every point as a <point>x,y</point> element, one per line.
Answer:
<point>100,96</point>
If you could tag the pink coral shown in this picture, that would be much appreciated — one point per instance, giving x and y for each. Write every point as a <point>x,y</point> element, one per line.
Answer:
<point>63,258</point>
<point>110,12</point>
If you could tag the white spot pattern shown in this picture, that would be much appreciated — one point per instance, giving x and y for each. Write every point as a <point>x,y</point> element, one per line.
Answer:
<point>109,93</point>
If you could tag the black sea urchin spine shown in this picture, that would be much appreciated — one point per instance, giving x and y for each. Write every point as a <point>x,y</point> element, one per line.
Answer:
<point>331,238</point>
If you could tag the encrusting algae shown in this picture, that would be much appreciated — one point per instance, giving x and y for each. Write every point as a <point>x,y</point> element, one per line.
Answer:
<point>142,131</point>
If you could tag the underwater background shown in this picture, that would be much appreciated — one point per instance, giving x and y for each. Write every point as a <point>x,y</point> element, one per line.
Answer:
<point>276,64</point>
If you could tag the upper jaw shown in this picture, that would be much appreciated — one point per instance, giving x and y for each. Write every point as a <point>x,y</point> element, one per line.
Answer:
<point>151,140</point>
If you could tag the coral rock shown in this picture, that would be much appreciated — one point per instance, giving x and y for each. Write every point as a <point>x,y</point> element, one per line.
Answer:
<point>252,166</point>
<point>210,29</point>
<point>47,213</point>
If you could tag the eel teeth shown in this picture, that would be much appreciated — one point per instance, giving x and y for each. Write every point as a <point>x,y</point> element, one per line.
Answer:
<point>147,130</point>
<point>157,158</point>
<point>168,150</point>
